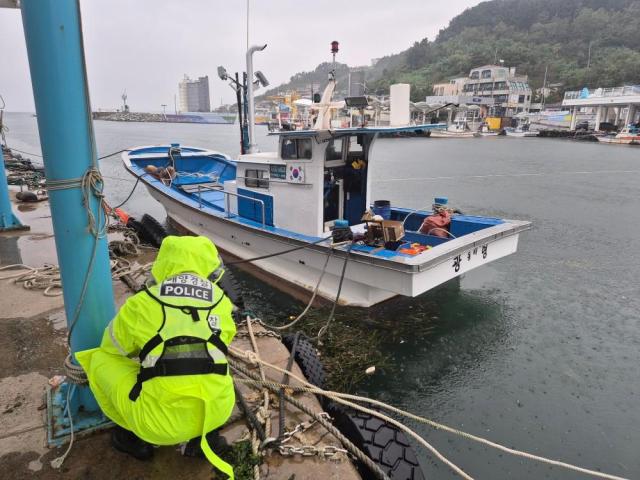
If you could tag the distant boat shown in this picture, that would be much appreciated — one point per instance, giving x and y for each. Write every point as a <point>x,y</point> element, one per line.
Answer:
<point>458,129</point>
<point>520,133</point>
<point>628,136</point>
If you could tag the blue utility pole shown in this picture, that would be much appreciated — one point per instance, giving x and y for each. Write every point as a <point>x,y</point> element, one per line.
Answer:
<point>53,34</point>
<point>8,221</point>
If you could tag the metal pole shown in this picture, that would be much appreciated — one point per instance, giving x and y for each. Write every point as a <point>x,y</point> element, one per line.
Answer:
<point>53,34</point>
<point>238,89</point>
<point>251,117</point>
<point>8,221</point>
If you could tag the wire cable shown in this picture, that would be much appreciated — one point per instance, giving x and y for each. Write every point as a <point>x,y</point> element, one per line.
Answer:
<point>255,259</point>
<point>324,329</point>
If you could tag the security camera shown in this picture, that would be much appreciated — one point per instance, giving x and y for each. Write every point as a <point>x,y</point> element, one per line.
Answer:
<point>262,79</point>
<point>222,73</point>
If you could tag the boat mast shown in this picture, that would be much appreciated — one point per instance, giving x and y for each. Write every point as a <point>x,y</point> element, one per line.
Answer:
<point>544,87</point>
<point>250,101</point>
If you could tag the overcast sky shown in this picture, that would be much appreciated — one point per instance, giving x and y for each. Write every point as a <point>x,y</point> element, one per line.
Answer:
<point>146,46</point>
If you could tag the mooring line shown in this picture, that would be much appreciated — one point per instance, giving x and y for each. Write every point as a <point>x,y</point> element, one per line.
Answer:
<point>307,387</point>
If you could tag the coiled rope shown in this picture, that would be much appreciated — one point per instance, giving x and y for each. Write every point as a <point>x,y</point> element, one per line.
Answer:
<point>341,398</point>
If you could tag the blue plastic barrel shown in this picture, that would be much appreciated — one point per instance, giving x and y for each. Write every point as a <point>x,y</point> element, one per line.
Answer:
<point>341,224</point>
<point>382,208</point>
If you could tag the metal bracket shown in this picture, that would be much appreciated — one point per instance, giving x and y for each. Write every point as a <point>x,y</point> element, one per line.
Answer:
<point>84,422</point>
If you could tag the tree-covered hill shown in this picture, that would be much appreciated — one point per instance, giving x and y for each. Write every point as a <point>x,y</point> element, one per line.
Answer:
<point>530,35</point>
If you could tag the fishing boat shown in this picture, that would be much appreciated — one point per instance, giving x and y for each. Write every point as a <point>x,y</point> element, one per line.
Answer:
<point>629,135</point>
<point>457,129</point>
<point>519,133</point>
<point>302,215</point>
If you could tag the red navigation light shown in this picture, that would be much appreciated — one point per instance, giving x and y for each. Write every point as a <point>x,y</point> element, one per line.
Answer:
<point>334,47</point>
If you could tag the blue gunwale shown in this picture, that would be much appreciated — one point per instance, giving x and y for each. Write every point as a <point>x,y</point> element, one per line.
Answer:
<point>216,207</point>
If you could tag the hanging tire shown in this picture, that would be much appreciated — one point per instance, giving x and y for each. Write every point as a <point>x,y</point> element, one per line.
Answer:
<point>154,230</point>
<point>308,360</point>
<point>382,442</point>
<point>148,229</point>
<point>231,288</point>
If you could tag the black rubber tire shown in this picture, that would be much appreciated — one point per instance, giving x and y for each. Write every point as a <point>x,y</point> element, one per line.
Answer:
<point>308,360</point>
<point>231,288</point>
<point>155,232</point>
<point>384,443</point>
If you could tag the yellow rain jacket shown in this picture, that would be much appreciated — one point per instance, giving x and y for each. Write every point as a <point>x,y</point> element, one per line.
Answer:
<point>161,370</point>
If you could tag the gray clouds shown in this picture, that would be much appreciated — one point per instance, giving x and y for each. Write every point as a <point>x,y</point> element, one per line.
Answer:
<point>146,46</point>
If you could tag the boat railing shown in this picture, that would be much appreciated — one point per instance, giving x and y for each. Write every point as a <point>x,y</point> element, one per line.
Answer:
<point>220,188</point>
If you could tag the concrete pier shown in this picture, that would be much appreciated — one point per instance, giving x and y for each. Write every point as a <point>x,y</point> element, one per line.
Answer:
<point>32,349</point>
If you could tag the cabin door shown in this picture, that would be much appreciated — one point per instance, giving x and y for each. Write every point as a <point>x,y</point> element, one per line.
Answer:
<point>345,179</point>
<point>355,177</point>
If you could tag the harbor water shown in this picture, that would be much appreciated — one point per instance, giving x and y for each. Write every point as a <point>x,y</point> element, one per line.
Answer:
<point>539,351</point>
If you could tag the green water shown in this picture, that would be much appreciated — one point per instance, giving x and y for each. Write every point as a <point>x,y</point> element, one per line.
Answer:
<point>539,351</point>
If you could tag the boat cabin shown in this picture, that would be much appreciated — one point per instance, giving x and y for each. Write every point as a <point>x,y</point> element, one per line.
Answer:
<point>315,178</point>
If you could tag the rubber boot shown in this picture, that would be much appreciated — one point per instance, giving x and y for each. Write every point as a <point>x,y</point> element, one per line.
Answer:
<point>216,441</point>
<point>127,442</point>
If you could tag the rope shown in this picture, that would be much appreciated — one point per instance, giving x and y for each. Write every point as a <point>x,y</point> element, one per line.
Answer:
<point>255,259</point>
<point>324,329</point>
<point>130,193</point>
<point>339,397</point>
<point>75,373</point>
<point>92,184</point>
<point>359,454</point>
<point>57,462</point>
<point>390,420</point>
<point>313,297</point>
<point>285,381</point>
<point>46,278</point>
<point>255,444</point>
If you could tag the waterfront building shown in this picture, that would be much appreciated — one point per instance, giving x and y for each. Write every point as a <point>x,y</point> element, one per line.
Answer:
<point>498,90</point>
<point>452,87</point>
<point>194,94</point>
<point>510,92</point>
<point>619,105</point>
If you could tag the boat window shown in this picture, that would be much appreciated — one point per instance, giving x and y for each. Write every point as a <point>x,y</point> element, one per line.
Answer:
<point>356,151</point>
<point>304,148</point>
<point>256,179</point>
<point>299,148</point>
<point>486,74</point>
<point>334,150</point>
<point>475,75</point>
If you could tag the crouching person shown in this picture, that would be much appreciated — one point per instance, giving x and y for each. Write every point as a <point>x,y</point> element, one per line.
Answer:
<point>161,372</point>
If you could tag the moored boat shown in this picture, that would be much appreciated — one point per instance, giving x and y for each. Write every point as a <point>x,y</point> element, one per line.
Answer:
<point>303,216</point>
<point>266,203</point>
<point>629,135</point>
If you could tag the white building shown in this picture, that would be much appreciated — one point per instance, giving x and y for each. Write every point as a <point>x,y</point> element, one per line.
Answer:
<point>498,89</point>
<point>511,93</point>
<point>194,95</point>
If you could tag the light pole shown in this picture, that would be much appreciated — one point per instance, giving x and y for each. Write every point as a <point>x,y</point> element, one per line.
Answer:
<point>164,110</point>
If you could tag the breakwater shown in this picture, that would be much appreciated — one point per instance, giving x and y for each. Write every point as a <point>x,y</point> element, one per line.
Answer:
<point>189,117</point>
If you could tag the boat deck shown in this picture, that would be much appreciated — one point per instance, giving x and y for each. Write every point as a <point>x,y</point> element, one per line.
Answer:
<point>199,185</point>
